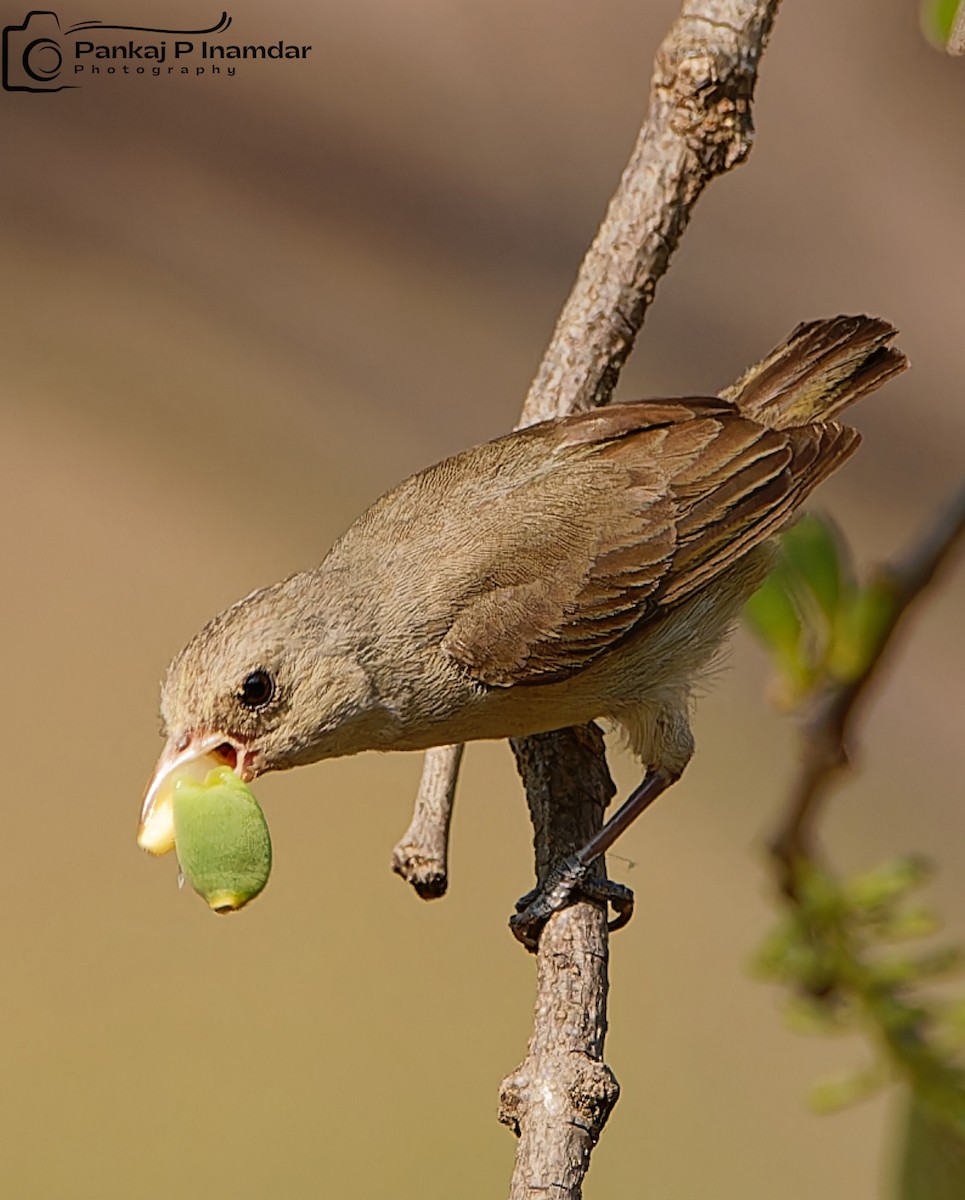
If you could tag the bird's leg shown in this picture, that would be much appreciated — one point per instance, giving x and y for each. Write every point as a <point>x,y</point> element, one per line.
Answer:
<point>572,875</point>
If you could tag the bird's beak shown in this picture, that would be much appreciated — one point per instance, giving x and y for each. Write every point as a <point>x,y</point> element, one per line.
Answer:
<point>184,757</point>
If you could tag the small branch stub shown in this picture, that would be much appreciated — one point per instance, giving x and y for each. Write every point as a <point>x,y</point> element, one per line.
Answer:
<point>421,856</point>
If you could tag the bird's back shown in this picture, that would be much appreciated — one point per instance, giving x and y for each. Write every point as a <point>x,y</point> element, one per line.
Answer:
<point>530,556</point>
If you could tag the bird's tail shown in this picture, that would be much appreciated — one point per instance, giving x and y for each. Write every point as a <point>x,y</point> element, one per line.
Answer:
<point>821,368</point>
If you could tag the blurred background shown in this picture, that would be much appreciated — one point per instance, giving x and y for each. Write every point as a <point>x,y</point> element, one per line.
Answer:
<point>236,310</point>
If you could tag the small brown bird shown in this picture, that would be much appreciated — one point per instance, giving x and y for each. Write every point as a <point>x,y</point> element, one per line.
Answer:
<point>581,568</point>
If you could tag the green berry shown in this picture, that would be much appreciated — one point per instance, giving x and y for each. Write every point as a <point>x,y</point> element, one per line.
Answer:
<point>221,838</point>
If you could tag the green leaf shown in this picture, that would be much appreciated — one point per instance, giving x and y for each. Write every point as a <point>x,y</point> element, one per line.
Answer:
<point>831,1095</point>
<point>907,924</point>
<point>859,625</point>
<point>895,970</point>
<point>815,552</point>
<point>774,618</point>
<point>803,602</point>
<point>886,883</point>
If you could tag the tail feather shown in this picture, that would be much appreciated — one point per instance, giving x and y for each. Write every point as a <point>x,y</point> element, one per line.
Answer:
<point>821,368</point>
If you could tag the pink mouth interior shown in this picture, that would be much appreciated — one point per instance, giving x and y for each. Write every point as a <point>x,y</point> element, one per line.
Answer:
<point>228,755</point>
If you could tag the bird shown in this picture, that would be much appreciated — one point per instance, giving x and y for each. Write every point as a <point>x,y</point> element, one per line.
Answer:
<point>587,567</point>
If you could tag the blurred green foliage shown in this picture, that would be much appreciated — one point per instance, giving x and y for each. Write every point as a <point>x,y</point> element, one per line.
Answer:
<point>820,626</point>
<point>854,954</point>
<point>858,954</point>
<point>934,1163</point>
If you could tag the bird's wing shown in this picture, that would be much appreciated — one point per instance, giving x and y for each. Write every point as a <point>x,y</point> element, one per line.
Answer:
<point>603,519</point>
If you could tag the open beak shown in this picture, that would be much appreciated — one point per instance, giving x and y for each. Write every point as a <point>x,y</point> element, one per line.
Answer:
<point>184,757</point>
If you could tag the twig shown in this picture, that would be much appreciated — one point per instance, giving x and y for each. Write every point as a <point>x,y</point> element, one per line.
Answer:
<point>421,854</point>
<point>825,738</point>
<point>698,126</point>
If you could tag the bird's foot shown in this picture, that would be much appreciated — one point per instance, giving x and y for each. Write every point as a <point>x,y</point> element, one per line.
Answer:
<point>565,883</point>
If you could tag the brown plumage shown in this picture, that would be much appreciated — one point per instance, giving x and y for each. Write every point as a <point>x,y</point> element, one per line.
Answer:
<point>585,567</point>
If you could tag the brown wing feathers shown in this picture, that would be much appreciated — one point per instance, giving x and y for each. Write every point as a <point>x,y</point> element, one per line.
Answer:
<point>667,495</point>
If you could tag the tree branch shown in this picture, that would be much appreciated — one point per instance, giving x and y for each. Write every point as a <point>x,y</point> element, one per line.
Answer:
<point>697,127</point>
<point>558,1100</point>
<point>421,856</point>
<point>825,737</point>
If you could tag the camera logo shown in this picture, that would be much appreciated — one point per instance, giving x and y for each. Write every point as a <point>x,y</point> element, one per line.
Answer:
<point>33,55</point>
<point>38,55</point>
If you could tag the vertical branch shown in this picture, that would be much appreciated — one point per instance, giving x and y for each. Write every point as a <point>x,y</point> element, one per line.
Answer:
<point>558,1100</point>
<point>698,126</point>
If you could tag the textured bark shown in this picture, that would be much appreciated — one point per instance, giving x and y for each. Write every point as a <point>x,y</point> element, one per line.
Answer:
<point>421,855</point>
<point>557,1101</point>
<point>698,126</point>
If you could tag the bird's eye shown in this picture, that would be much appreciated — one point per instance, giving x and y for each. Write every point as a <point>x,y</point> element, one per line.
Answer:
<point>257,689</point>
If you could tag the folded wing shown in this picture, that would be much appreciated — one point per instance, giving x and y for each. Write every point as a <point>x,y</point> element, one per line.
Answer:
<point>628,511</point>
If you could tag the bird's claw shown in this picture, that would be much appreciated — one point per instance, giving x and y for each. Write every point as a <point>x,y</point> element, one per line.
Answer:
<point>567,880</point>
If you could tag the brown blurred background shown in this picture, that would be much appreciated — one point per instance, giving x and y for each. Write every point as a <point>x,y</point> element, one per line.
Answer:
<point>234,312</point>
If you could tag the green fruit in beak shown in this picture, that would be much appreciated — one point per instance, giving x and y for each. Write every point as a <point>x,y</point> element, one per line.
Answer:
<point>221,838</point>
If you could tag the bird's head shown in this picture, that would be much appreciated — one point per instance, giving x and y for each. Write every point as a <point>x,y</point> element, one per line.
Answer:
<point>260,688</point>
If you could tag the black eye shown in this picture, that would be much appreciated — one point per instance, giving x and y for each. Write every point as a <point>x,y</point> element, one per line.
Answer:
<point>257,689</point>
